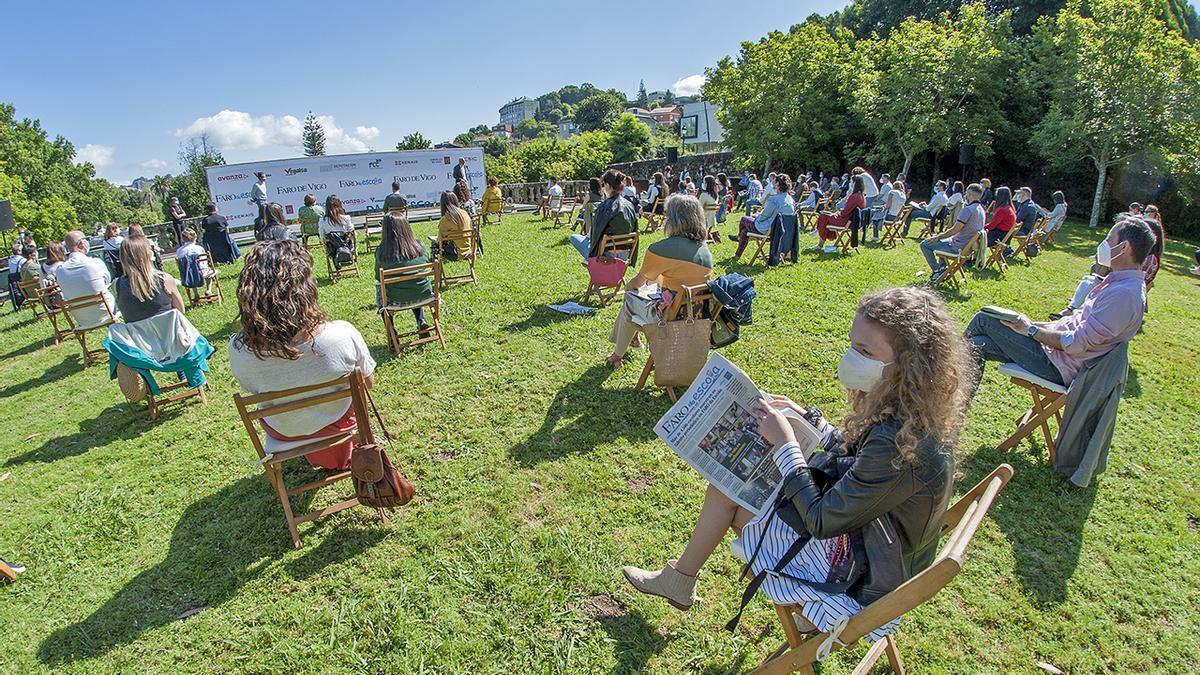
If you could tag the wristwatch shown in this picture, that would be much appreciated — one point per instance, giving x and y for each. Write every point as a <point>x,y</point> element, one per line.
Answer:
<point>1031,331</point>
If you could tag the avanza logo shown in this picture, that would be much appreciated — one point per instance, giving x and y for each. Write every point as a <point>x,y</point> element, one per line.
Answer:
<point>236,176</point>
<point>292,172</point>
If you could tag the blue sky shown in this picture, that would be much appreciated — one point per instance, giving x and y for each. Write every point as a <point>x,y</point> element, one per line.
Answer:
<point>126,82</point>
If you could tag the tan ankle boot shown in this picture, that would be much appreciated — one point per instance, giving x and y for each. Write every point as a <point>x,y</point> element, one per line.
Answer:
<point>676,587</point>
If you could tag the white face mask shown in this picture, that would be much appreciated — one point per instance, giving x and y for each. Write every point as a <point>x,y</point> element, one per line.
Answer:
<point>858,372</point>
<point>1104,254</point>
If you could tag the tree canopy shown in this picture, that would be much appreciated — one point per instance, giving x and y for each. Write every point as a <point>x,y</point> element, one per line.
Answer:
<point>414,141</point>
<point>313,136</point>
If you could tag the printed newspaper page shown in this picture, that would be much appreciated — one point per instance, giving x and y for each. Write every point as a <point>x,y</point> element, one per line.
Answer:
<point>712,427</point>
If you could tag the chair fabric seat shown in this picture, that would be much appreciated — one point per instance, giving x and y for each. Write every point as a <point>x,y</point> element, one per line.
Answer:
<point>411,305</point>
<point>1013,370</point>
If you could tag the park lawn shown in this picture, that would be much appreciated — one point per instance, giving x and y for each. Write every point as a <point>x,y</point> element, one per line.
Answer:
<point>156,547</point>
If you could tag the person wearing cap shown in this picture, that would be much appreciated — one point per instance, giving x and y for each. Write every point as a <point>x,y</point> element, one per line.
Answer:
<point>258,196</point>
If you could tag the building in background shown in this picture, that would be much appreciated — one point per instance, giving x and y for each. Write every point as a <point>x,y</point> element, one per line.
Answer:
<point>699,126</point>
<point>642,116</point>
<point>502,131</point>
<point>666,116</point>
<point>567,128</point>
<point>518,110</point>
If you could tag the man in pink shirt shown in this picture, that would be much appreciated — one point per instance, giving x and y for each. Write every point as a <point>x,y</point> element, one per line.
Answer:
<point>1111,314</point>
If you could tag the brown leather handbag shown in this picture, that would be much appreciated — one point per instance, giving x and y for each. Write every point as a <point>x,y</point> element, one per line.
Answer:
<point>377,482</point>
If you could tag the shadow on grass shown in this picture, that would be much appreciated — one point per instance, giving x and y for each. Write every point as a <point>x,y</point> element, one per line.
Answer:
<point>221,542</point>
<point>68,365</point>
<point>1133,388</point>
<point>541,317</point>
<point>594,415</point>
<point>1041,514</point>
<point>115,423</point>
<point>634,640</point>
<point>28,349</point>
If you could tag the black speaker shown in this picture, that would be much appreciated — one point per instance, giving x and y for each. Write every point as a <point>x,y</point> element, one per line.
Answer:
<point>966,154</point>
<point>6,219</point>
<point>672,154</point>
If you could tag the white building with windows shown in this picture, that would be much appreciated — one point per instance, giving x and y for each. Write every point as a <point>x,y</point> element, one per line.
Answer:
<point>517,110</point>
<point>699,125</point>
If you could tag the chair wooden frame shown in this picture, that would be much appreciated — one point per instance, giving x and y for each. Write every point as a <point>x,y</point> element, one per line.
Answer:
<point>654,220</point>
<point>7,572</point>
<point>90,356</point>
<point>689,295</point>
<point>959,525</point>
<point>369,220</point>
<point>48,296</point>
<point>490,216</point>
<point>714,209</point>
<point>400,341</point>
<point>349,269</point>
<point>551,203</point>
<point>252,408</point>
<point>29,290</point>
<point>611,243</point>
<point>759,241</point>
<point>565,211</point>
<point>806,221</point>
<point>180,392</point>
<point>956,263</point>
<point>842,237</point>
<point>469,242</point>
<point>996,251</point>
<point>894,225</point>
<point>198,296</point>
<point>1047,403</point>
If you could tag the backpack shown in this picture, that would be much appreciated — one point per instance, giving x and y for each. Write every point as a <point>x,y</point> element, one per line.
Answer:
<point>377,482</point>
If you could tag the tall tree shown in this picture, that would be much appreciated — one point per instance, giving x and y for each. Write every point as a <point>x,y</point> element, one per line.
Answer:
<point>1117,86</point>
<point>668,98</point>
<point>414,141</point>
<point>313,136</point>
<point>643,99</point>
<point>191,186</point>
<point>629,139</point>
<point>599,112</point>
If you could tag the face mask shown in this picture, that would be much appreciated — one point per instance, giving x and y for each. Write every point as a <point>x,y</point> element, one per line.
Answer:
<point>858,372</point>
<point>1104,254</point>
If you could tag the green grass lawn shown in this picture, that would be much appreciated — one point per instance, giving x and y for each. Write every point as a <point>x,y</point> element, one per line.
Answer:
<point>156,547</point>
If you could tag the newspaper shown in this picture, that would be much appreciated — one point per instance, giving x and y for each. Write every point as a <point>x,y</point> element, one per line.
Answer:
<point>713,428</point>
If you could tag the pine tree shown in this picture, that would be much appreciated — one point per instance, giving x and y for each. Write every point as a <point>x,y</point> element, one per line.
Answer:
<point>643,99</point>
<point>314,136</point>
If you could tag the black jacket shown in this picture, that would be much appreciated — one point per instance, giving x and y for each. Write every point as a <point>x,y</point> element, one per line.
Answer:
<point>615,215</point>
<point>899,510</point>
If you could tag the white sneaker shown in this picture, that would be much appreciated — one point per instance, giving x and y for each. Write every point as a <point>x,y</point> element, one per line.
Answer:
<point>831,249</point>
<point>816,248</point>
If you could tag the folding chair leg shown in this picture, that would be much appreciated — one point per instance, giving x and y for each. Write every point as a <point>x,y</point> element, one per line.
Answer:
<point>646,372</point>
<point>893,655</point>
<point>275,473</point>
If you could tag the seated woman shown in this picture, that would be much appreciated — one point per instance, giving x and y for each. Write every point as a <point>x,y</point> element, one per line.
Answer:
<point>1004,217</point>
<point>588,208</point>
<point>656,194</point>
<point>906,373</point>
<point>286,342</point>
<point>614,215</point>
<point>110,254</point>
<point>462,192</point>
<point>400,248</point>
<point>143,291</point>
<point>454,223</point>
<point>682,259</point>
<point>1056,217</point>
<point>56,255</point>
<point>336,231</point>
<point>854,201</point>
<point>190,249</point>
<point>780,203</point>
<point>493,199</point>
<point>710,197</point>
<point>1150,267</point>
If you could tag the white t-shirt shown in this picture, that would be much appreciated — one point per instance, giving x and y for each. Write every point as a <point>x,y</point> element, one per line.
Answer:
<point>555,190</point>
<point>325,226</point>
<point>870,187</point>
<point>338,349</point>
<point>895,201</point>
<point>83,275</point>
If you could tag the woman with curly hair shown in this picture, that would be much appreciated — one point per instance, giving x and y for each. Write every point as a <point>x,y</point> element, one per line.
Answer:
<point>906,374</point>
<point>286,342</point>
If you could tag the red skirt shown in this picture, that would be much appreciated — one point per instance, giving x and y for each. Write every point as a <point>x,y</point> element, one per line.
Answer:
<point>337,457</point>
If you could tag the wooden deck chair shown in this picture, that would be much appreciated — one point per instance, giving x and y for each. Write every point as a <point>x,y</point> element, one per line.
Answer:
<point>1048,401</point>
<point>956,263</point>
<point>464,241</point>
<point>492,211</point>
<point>551,204</point>
<point>959,526</point>
<point>841,237</point>
<point>135,388</point>
<point>654,220</point>
<point>565,211</point>
<point>1021,245</point>
<point>399,341</point>
<point>349,269</point>
<point>198,296</point>
<point>375,219</point>
<point>696,296</point>
<point>253,408</point>
<point>714,208</point>
<point>609,245</point>
<point>90,356</point>
<point>759,241</point>
<point>806,221</point>
<point>51,299</point>
<point>926,226</point>
<point>894,225</point>
<point>29,290</point>
<point>996,252</point>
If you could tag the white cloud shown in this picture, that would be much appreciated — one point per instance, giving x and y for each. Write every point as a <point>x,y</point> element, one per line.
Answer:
<point>688,86</point>
<point>99,155</point>
<point>237,130</point>
<point>153,165</point>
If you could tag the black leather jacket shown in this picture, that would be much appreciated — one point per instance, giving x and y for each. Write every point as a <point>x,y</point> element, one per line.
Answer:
<point>615,215</point>
<point>899,510</point>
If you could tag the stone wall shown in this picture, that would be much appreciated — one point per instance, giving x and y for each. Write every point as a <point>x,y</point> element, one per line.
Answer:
<point>532,193</point>
<point>712,162</point>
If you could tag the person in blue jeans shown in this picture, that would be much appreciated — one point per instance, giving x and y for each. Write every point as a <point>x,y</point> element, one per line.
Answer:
<point>615,215</point>
<point>969,223</point>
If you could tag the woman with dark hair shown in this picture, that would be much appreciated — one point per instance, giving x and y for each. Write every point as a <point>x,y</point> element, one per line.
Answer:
<point>462,192</point>
<point>1056,217</point>
<point>614,215</point>
<point>285,342</point>
<point>1004,217</point>
<point>854,202</point>
<point>454,223</point>
<point>400,248</point>
<point>656,195</point>
<point>710,197</point>
<point>590,203</point>
<point>337,231</point>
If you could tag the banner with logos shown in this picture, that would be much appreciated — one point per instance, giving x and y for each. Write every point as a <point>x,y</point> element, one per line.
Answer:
<point>361,181</point>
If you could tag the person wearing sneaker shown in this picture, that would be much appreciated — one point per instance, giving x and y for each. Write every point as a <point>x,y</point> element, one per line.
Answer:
<point>855,201</point>
<point>906,374</point>
<point>780,203</point>
<point>968,223</point>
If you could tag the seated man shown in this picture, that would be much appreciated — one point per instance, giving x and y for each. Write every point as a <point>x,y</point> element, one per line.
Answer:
<point>1111,314</point>
<point>1027,211</point>
<point>83,275</point>
<point>814,196</point>
<point>395,201</point>
<point>968,224</point>
<point>930,209</point>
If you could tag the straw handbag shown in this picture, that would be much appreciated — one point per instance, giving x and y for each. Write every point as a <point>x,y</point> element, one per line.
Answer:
<point>679,348</point>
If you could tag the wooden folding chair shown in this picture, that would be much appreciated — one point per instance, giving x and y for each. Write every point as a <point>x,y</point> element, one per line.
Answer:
<point>611,244</point>
<point>759,241</point>
<point>375,219</point>
<point>1048,401</point>
<point>565,211</point>
<point>894,225</point>
<point>51,299</point>
<point>399,341</point>
<point>349,269</point>
<point>90,356</point>
<point>956,263</point>
<point>996,252</point>
<point>29,290</point>
<point>959,524</point>
<point>255,408</point>
<point>199,296</point>
<point>464,241</point>
<point>841,237</point>
<point>926,226</point>
<point>492,211</point>
<point>1021,247</point>
<point>806,221</point>
<point>654,220</point>
<point>171,393</point>
<point>714,208</point>
<point>697,296</point>
<point>552,204</point>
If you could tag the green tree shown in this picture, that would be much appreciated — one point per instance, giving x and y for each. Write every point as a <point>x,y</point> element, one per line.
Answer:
<point>599,112</point>
<point>1118,84</point>
<point>464,139</point>
<point>532,128</point>
<point>479,130</point>
<point>191,186</point>
<point>313,136</point>
<point>495,146</point>
<point>630,139</point>
<point>591,153</point>
<point>668,98</point>
<point>643,99</point>
<point>414,141</point>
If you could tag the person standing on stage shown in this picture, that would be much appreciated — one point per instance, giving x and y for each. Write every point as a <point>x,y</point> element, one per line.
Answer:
<point>461,173</point>
<point>258,197</point>
<point>177,216</point>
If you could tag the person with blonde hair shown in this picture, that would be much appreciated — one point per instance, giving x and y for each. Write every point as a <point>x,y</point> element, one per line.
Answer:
<point>906,373</point>
<point>454,223</point>
<point>143,291</point>
<point>682,259</point>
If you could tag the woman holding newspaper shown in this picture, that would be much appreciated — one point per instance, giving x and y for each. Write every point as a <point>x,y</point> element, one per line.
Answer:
<point>853,522</point>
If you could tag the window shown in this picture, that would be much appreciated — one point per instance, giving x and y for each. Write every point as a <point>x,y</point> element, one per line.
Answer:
<point>689,127</point>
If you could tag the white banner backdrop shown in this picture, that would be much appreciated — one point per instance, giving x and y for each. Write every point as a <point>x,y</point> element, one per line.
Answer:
<point>361,181</point>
